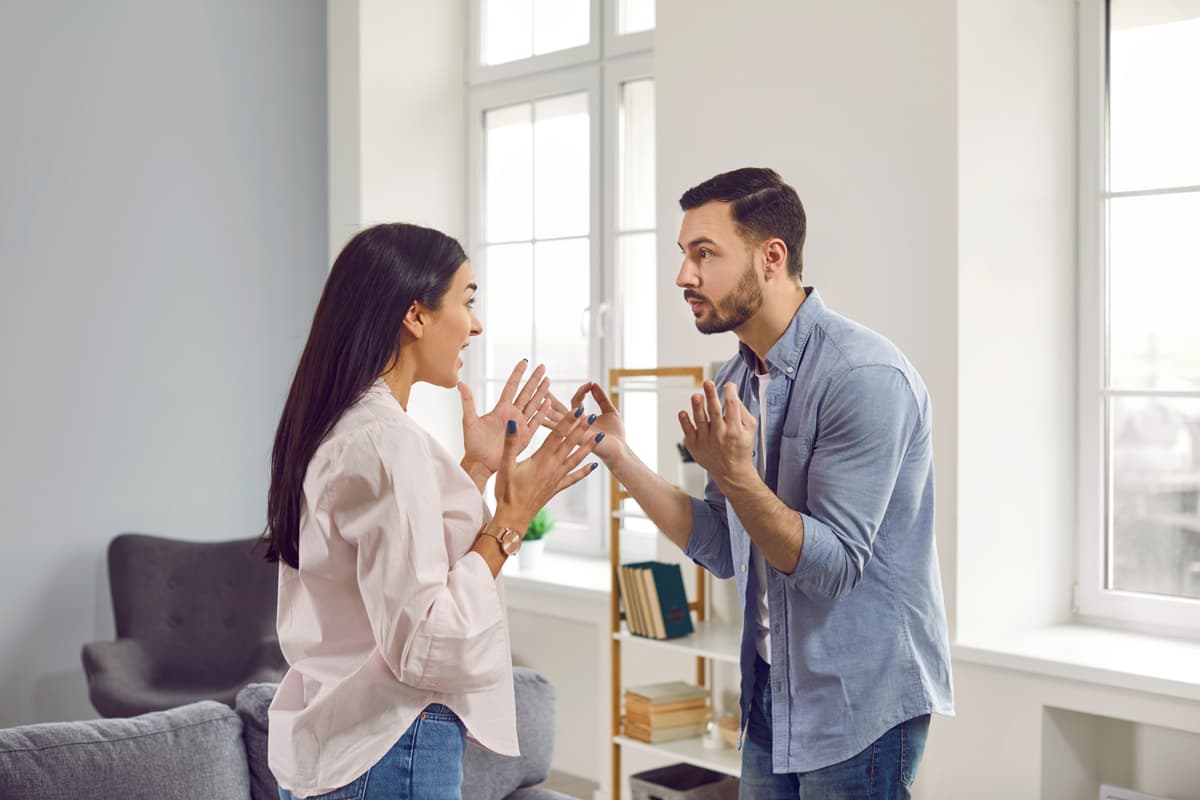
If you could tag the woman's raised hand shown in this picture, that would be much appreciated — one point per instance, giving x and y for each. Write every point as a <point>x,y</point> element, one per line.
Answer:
<point>524,487</point>
<point>484,437</point>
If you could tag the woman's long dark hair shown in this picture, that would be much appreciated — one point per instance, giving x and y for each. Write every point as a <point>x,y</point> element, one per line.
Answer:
<point>355,335</point>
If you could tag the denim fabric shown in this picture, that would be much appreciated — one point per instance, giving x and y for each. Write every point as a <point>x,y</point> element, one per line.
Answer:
<point>858,629</point>
<point>885,770</point>
<point>425,764</point>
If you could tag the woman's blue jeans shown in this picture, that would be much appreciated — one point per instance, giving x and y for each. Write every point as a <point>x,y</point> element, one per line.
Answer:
<point>425,764</point>
<point>885,770</point>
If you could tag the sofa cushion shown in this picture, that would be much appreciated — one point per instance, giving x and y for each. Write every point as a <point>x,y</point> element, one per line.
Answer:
<point>486,775</point>
<point>158,756</point>
<point>252,704</point>
<point>489,776</point>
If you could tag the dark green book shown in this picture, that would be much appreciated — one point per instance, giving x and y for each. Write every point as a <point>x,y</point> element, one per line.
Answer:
<point>672,599</point>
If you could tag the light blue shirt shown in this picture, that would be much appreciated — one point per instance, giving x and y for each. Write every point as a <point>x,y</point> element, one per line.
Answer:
<point>858,630</point>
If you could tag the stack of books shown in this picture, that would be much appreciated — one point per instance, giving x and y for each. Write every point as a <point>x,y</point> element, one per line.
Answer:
<point>664,712</point>
<point>655,602</point>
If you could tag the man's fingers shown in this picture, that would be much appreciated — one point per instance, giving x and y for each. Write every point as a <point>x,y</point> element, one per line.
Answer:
<point>602,399</point>
<point>699,414</point>
<point>712,403</point>
<point>689,430</point>
<point>580,393</point>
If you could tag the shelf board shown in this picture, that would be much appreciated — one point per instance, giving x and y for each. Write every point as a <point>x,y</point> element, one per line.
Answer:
<point>693,751</point>
<point>720,641</point>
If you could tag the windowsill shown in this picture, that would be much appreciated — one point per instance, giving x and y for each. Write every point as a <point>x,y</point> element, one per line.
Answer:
<point>1095,655</point>
<point>558,573</point>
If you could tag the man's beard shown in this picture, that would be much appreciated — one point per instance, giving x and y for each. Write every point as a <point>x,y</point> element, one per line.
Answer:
<point>733,311</point>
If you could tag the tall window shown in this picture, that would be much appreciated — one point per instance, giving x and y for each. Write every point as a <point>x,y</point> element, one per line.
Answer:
<point>562,191</point>
<point>1140,312</point>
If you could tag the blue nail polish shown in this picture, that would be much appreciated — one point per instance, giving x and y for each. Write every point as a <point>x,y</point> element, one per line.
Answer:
<point>594,465</point>
<point>599,436</point>
<point>591,419</point>
<point>578,412</point>
<point>512,427</point>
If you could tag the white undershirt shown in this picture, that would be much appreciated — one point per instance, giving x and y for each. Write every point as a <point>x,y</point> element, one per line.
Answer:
<point>763,637</point>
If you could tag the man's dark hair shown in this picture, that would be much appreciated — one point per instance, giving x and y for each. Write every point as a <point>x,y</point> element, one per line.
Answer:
<point>763,206</point>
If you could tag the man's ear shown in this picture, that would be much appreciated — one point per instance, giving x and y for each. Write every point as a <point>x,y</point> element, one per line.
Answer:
<point>774,253</point>
<point>415,319</point>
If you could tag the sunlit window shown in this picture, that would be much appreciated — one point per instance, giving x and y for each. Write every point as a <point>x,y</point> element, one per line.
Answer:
<point>1151,275</point>
<point>566,260</point>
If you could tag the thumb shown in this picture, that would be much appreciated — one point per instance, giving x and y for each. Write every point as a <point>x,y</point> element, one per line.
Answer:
<point>468,402</point>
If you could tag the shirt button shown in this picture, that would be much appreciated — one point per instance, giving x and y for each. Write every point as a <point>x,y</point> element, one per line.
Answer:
<point>790,370</point>
<point>743,567</point>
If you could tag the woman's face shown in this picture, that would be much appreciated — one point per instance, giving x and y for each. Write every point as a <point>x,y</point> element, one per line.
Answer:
<point>449,331</point>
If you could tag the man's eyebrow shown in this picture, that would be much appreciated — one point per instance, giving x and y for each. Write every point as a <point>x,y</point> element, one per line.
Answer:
<point>698,241</point>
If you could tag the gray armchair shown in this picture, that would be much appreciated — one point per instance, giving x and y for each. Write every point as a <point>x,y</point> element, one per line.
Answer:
<point>194,621</point>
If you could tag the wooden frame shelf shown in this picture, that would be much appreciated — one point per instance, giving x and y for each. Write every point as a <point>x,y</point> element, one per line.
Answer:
<point>711,641</point>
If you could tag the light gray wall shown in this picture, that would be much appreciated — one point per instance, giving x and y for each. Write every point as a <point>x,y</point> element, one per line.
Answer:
<point>163,239</point>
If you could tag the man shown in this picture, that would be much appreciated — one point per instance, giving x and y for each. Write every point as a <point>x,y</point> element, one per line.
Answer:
<point>819,502</point>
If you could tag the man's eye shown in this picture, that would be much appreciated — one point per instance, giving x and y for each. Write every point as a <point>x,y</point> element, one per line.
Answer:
<point>705,252</point>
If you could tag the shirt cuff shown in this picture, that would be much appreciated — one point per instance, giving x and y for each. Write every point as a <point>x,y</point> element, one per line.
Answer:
<point>822,560</point>
<point>708,542</point>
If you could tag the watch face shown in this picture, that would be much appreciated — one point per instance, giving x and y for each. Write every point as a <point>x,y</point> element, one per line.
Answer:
<point>510,541</point>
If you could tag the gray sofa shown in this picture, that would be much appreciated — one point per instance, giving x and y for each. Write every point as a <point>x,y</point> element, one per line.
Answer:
<point>208,749</point>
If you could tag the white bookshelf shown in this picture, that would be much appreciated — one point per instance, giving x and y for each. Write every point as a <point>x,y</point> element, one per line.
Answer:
<point>718,641</point>
<point>724,759</point>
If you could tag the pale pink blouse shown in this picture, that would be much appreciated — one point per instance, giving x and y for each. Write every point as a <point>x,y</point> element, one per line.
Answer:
<point>390,610</point>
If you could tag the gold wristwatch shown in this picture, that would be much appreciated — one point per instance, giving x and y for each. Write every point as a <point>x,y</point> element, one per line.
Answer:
<point>509,539</point>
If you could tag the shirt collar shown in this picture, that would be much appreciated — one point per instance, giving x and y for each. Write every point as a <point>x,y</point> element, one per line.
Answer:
<point>784,356</point>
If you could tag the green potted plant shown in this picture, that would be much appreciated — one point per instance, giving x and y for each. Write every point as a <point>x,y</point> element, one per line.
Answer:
<point>532,548</point>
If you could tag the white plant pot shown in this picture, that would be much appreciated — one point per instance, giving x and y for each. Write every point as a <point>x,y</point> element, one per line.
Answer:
<point>529,557</point>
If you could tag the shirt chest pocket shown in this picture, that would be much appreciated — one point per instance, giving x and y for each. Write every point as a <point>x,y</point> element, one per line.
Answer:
<point>795,454</point>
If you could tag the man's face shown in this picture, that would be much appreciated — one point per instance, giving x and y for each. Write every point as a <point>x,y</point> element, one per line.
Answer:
<point>718,276</point>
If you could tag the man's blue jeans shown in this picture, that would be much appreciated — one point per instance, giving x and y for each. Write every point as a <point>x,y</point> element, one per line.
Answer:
<point>425,764</point>
<point>883,771</point>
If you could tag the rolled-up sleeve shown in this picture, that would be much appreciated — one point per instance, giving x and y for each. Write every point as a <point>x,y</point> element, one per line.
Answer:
<point>866,426</point>
<point>439,626</point>
<point>708,543</point>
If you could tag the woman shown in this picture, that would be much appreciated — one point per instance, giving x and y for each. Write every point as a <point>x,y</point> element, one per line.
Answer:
<point>390,613</point>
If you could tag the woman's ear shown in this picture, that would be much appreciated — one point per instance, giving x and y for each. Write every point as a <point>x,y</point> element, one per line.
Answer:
<point>415,319</point>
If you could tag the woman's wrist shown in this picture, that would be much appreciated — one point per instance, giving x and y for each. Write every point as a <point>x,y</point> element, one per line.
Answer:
<point>507,517</point>
<point>477,470</point>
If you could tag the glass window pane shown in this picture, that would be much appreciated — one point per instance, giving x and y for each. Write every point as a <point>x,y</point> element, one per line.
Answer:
<point>1155,491</point>
<point>560,24</point>
<point>507,30</point>
<point>639,412</point>
<point>1154,116</point>
<point>507,295</point>
<point>636,156</point>
<point>508,182</point>
<point>638,286</point>
<point>635,15</point>
<point>562,166</point>
<point>561,297</point>
<point>1154,283</point>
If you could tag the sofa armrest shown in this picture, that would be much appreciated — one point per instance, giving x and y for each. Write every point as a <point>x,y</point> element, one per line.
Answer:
<point>534,793</point>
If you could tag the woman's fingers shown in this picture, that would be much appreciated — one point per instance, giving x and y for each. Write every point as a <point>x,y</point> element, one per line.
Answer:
<point>510,386</point>
<point>572,478</point>
<point>530,388</point>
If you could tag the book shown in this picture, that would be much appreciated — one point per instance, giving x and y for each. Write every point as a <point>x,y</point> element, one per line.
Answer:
<point>662,697</point>
<point>657,718</point>
<point>672,602</point>
<point>649,586</point>
<point>654,735</point>
<point>636,621</point>
<point>625,601</point>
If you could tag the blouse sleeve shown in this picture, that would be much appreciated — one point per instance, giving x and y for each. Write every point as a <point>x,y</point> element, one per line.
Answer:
<point>439,625</point>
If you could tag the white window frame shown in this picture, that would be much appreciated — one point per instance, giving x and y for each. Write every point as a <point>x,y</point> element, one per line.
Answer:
<point>1096,603</point>
<point>586,69</point>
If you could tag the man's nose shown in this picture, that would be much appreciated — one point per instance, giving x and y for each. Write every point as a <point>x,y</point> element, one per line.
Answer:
<point>687,274</point>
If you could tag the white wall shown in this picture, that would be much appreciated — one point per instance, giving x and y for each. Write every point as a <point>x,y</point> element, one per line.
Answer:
<point>398,133</point>
<point>162,241</point>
